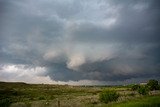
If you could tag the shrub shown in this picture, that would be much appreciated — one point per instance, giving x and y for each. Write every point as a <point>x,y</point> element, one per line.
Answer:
<point>143,90</point>
<point>41,98</point>
<point>135,87</point>
<point>158,87</point>
<point>153,84</point>
<point>108,96</point>
<point>131,94</point>
<point>5,102</point>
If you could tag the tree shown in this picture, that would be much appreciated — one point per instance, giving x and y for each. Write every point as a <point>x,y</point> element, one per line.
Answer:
<point>153,84</point>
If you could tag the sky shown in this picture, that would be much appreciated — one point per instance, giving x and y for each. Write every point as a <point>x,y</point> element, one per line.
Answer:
<point>79,42</point>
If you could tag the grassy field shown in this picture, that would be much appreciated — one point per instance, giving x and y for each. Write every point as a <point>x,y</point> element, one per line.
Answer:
<point>43,95</point>
<point>147,101</point>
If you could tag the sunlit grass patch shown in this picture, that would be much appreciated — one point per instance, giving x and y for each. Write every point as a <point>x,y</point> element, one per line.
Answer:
<point>149,101</point>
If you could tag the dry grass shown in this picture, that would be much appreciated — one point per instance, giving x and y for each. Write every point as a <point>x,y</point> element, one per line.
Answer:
<point>29,95</point>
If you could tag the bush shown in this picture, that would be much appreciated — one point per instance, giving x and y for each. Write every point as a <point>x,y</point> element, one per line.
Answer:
<point>5,102</point>
<point>131,94</point>
<point>108,96</point>
<point>153,84</point>
<point>135,87</point>
<point>143,90</point>
<point>41,98</point>
<point>158,87</point>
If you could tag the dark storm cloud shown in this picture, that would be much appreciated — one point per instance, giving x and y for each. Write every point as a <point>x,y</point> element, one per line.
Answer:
<point>133,25</point>
<point>106,40</point>
<point>120,69</point>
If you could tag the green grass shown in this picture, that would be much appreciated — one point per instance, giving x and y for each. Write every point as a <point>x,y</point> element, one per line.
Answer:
<point>147,101</point>
<point>43,95</point>
<point>21,92</point>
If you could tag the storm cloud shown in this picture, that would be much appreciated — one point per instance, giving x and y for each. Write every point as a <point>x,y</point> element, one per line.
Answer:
<point>79,41</point>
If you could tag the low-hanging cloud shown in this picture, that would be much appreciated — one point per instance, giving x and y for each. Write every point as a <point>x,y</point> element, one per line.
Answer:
<point>90,41</point>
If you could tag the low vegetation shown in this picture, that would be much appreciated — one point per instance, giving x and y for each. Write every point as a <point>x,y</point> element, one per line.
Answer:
<point>143,90</point>
<point>153,85</point>
<point>43,95</point>
<point>135,87</point>
<point>148,101</point>
<point>108,96</point>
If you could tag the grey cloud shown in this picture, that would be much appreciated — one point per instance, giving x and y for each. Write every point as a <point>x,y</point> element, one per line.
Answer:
<point>120,69</point>
<point>132,26</point>
<point>102,40</point>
